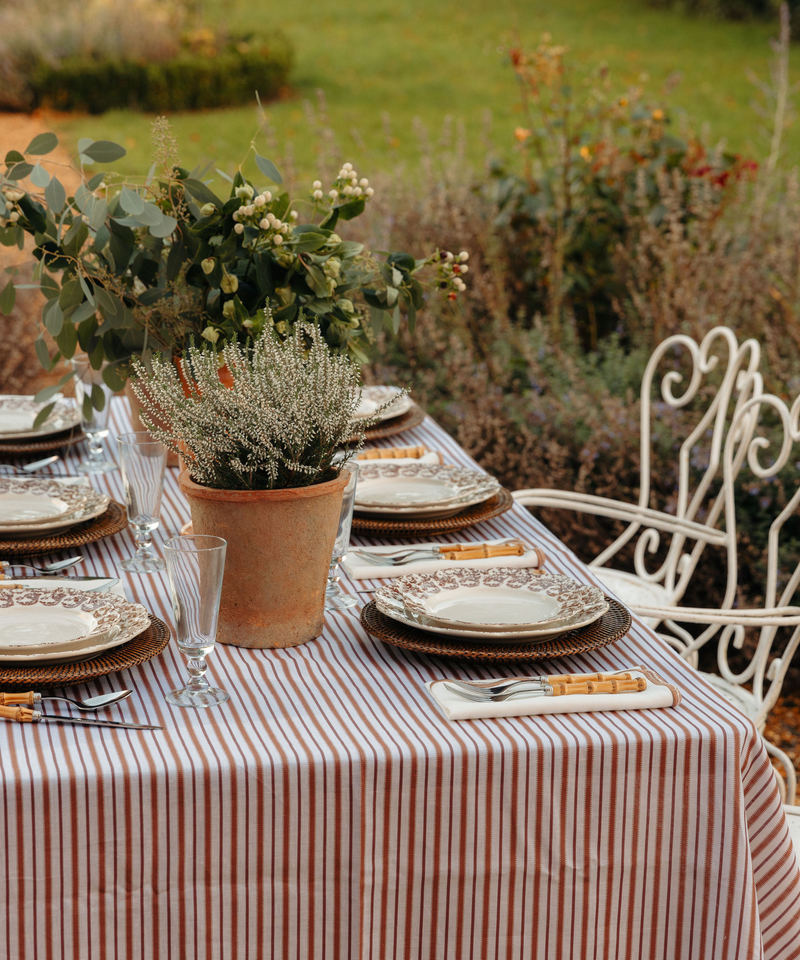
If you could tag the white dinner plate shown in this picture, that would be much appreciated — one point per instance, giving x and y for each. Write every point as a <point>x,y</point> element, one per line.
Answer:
<point>64,624</point>
<point>420,489</point>
<point>373,398</point>
<point>18,413</point>
<point>59,504</point>
<point>503,600</point>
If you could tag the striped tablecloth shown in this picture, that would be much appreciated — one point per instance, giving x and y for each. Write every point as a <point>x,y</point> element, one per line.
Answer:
<point>329,811</point>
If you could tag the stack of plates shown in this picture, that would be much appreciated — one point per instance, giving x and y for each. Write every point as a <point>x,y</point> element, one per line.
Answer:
<point>502,606</point>
<point>410,490</point>
<point>32,506</point>
<point>373,398</point>
<point>64,625</point>
<point>17,415</point>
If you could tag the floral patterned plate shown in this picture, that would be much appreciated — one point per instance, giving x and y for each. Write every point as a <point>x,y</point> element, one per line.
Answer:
<point>31,505</point>
<point>500,604</point>
<point>374,397</point>
<point>17,415</point>
<point>420,489</point>
<point>64,624</point>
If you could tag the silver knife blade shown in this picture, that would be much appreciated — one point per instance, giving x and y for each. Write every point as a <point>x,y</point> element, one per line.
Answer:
<point>85,721</point>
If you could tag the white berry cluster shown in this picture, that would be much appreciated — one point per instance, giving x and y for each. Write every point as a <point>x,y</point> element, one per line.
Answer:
<point>12,197</point>
<point>347,186</point>
<point>257,214</point>
<point>451,271</point>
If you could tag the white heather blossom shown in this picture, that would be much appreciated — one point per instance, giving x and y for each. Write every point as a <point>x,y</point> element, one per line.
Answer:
<point>291,406</point>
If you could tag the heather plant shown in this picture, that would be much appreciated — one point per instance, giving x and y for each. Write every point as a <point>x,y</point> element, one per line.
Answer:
<point>280,422</point>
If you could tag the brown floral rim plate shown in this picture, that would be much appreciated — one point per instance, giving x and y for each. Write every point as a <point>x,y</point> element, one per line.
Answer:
<point>54,441</point>
<point>147,645</point>
<point>370,525</point>
<point>394,425</point>
<point>612,626</point>
<point>112,521</point>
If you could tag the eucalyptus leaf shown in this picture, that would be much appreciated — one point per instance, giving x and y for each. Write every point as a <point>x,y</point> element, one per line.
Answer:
<point>86,288</point>
<point>104,151</point>
<point>98,397</point>
<point>84,311</point>
<point>268,168</point>
<point>8,298</point>
<point>43,414</point>
<point>131,202</point>
<point>150,216</point>
<point>67,340</point>
<point>42,143</point>
<point>39,176</point>
<point>396,319</point>
<point>55,195</point>
<point>165,228</point>
<point>391,296</point>
<point>13,156</point>
<point>47,393</point>
<point>95,181</point>
<point>53,317</point>
<point>42,352</point>
<point>87,409</point>
<point>50,287</point>
<point>112,379</point>
<point>201,193</point>
<point>19,171</point>
<point>82,196</point>
<point>98,215</point>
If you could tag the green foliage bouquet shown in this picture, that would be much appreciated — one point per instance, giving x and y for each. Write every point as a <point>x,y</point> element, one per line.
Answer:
<point>131,267</point>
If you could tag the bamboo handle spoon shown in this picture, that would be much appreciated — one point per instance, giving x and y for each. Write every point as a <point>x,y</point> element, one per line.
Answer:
<point>30,699</point>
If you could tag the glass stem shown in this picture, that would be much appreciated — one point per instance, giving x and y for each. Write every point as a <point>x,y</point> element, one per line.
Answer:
<point>95,447</point>
<point>144,543</point>
<point>197,667</point>
<point>332,589</point>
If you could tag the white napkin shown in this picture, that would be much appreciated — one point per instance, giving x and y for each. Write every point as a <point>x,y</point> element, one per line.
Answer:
<point>430,457</point>
<point>659,693</point>
<point>358,569</point>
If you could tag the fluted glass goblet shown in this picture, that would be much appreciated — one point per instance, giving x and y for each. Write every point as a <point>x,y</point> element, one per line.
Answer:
<point>142,461</point>
<point>335,597</point>
<point>195,565</point>
<point>91,391</point>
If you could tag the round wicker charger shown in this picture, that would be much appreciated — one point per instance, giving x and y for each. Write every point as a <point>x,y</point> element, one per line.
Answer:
<point>388,428</point>
<point>66,438</point>
<point>420,527</point>
<point>46,676</point>
<point>612,626</point>
<point>107,524</point>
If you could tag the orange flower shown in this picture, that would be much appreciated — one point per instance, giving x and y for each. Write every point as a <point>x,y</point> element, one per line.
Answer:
<point>522,134</point>
<point>658,114</point>
<point>623,101</point>
<point>586,153</point>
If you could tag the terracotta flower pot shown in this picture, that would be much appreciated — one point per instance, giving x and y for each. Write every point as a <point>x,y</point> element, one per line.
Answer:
<point>279,550</point>
<point>135,406</point>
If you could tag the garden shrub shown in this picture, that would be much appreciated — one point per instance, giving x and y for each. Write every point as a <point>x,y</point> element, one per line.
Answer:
<point>190,81</point>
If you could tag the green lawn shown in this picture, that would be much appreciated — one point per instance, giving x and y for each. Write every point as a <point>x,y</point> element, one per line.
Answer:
<point>433,58</point>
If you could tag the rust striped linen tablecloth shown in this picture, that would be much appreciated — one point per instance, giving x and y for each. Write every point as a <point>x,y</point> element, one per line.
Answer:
<point>329,811</point>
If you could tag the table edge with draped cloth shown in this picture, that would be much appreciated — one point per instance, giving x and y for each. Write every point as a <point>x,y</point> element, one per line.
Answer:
<point>329,810</point>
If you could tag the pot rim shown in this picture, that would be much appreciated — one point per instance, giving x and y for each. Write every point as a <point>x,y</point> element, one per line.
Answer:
<point>190,488</point>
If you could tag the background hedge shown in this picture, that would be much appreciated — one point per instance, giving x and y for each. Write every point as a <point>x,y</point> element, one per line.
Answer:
<point>189,82</point>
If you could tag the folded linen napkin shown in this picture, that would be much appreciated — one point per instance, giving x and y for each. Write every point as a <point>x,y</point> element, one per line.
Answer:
<point>658,694</point>
<point>430,457</point>
<point>358,569</point>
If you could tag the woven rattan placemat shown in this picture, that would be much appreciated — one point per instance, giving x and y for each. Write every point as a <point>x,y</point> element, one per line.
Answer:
<point>406,421</point>
<point>66,438</point>
<point>44,677</point>
<point>612,626</point>
<point>107,524</point>
<point>419,527</point>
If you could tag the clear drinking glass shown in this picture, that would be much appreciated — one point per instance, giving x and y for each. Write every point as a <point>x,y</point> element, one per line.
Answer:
<point>335,598</point>
<point>89,382</point>
<point>195,566</point>
<point>142,461</point>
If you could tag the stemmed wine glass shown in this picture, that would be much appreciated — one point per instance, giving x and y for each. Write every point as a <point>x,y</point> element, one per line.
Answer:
<point>143,461</point>
<point>195,565</point>
<point>335,597</point>
<point>90,390</point>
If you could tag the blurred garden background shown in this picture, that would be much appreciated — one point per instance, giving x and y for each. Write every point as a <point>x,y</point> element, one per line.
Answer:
<point>618,171</point>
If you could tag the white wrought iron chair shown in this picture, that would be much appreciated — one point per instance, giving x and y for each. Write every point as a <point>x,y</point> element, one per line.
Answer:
<point>793,820</point>
<point>735,410</point>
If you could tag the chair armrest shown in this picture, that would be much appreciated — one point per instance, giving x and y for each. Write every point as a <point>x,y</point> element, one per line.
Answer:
<point>760,617</point>
<point>616,510</point>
